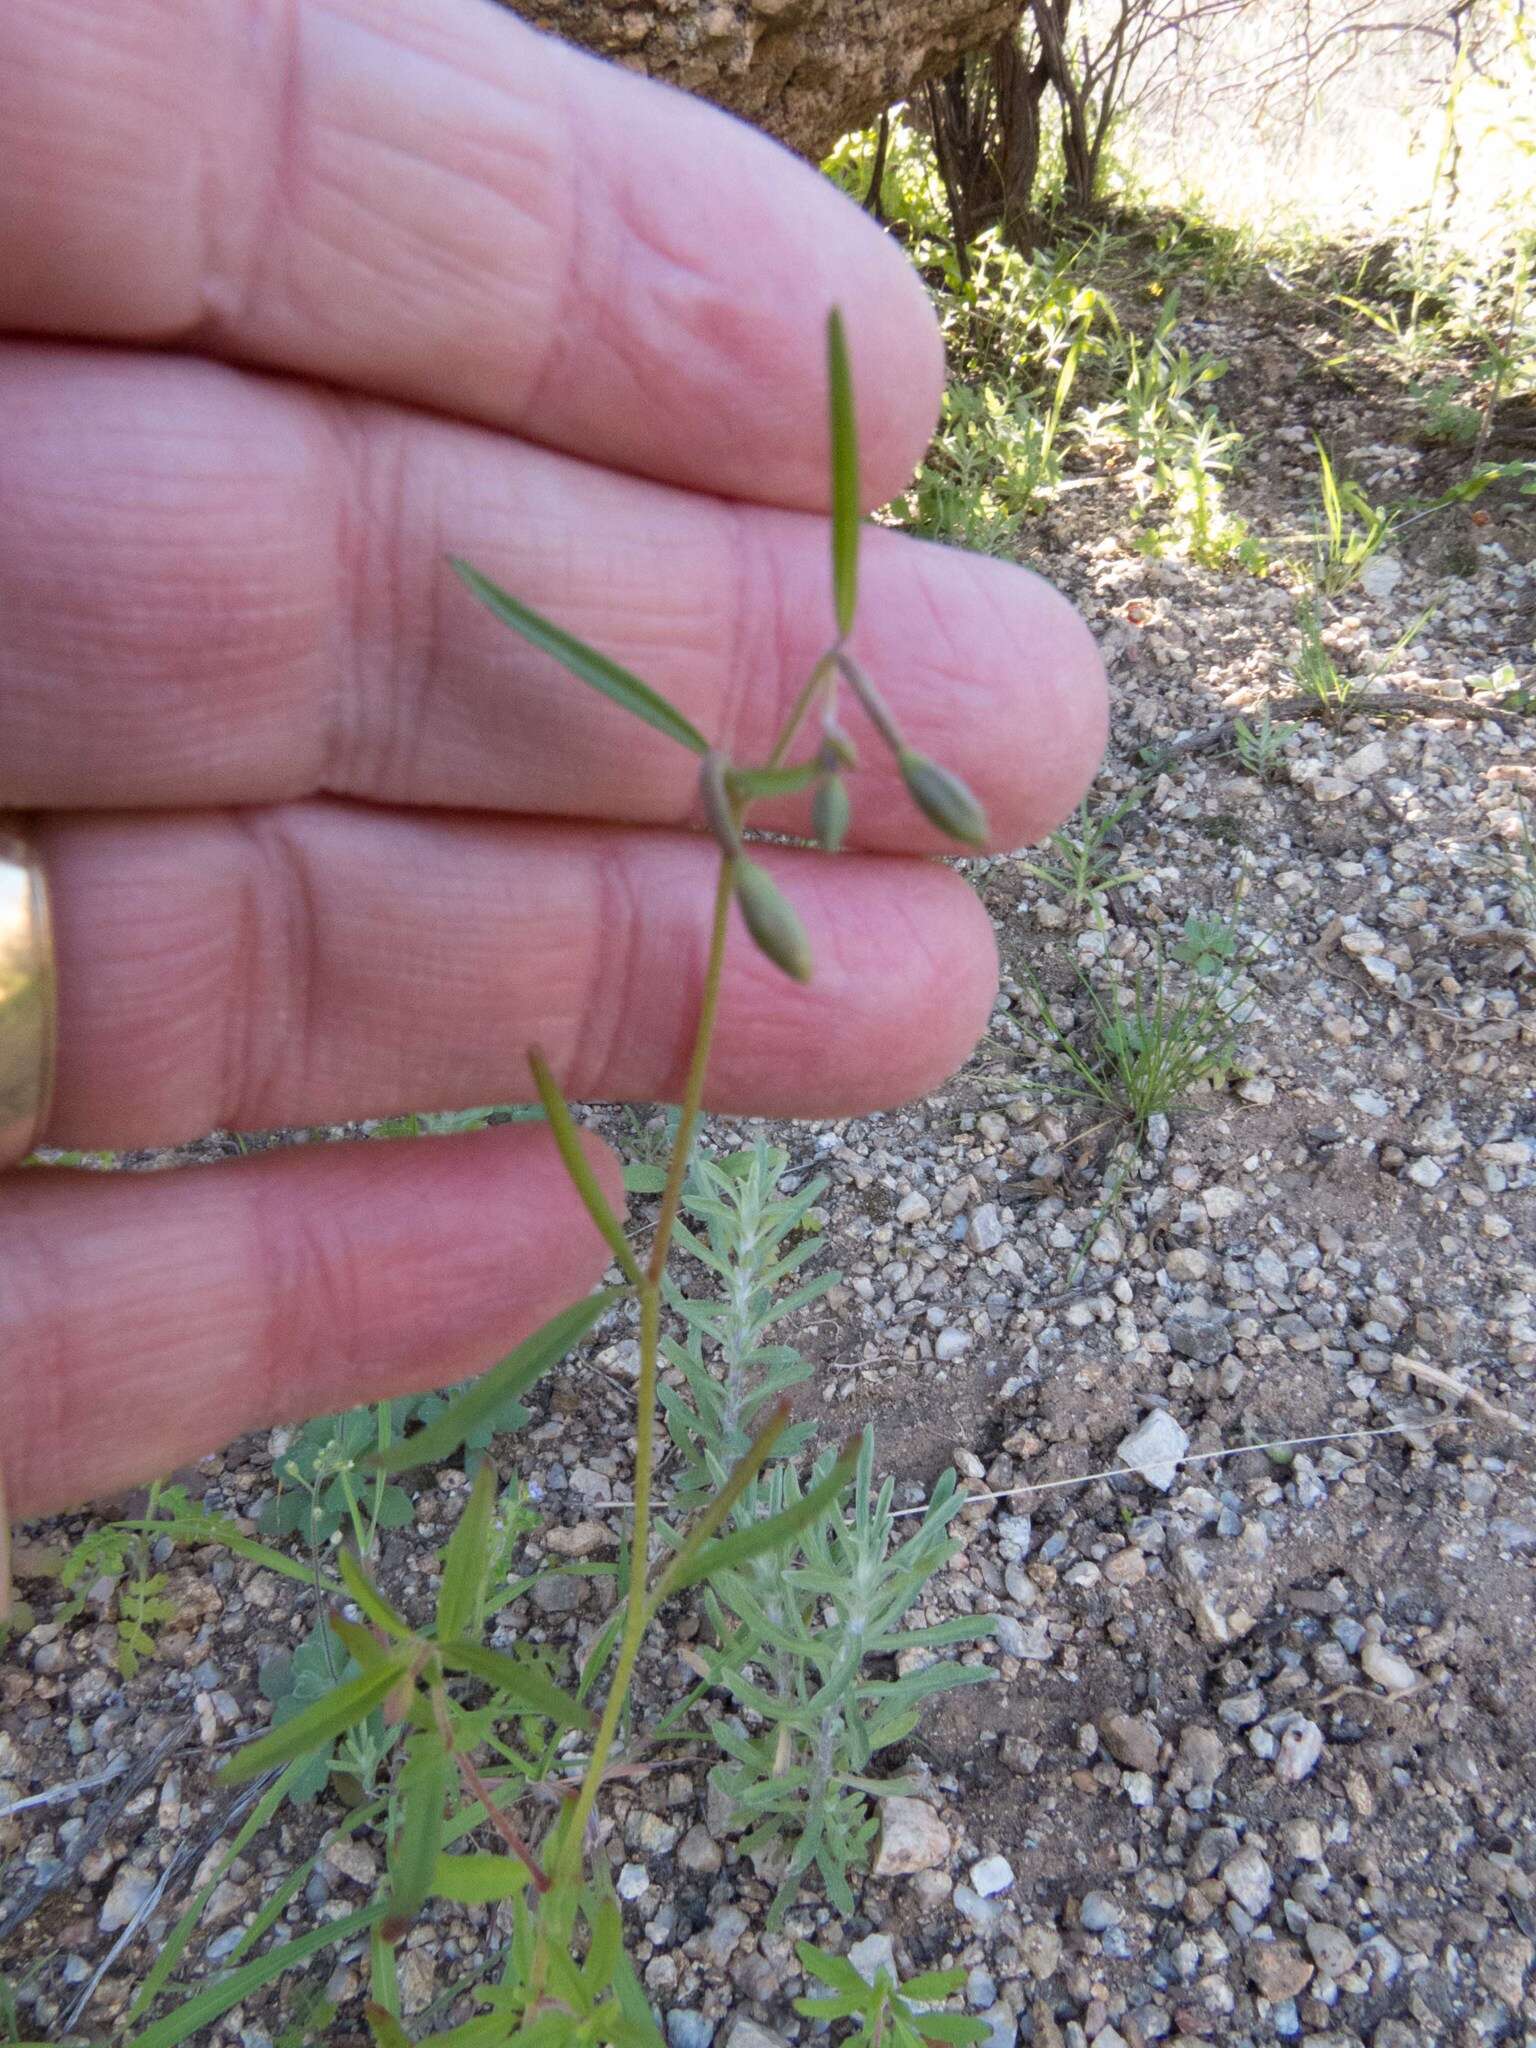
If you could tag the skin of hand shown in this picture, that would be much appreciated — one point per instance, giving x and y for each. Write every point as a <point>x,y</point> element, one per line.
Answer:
<point>296,298</point>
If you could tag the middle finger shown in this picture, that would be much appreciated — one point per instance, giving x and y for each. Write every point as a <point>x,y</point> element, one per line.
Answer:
<point>225,588</point>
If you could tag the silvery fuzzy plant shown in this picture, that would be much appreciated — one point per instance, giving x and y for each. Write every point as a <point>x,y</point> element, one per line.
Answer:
<point>803,1637</point>
<point>800,1595</point>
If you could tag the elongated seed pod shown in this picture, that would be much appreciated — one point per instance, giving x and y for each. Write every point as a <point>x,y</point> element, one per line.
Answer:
<point>771,919</point>
<point>943,799</point>
<point>830,812</point>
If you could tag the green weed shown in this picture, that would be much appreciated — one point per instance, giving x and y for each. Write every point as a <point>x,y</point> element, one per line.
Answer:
<point>1261,748</point>
<point>888,2015</point>
<point>1353,530</point>
<point>1082,859</point>
<point>1141,1051</point>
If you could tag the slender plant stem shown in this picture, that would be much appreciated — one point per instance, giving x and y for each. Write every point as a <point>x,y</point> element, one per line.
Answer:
<point>693,1092</point>
<point>815,681</point>
<point>636,1615</point>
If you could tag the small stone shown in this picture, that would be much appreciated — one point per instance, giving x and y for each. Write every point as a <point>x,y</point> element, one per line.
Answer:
<point>131,1891</point>
<point>1202,1758</point>
<point>1154,1449</point>
<point>1198,1331</point>
<point>722,1935</point>
<point>416,1974</point>
<point>912,1838</point>
<point>1425,1172</point>
<point>633,1879</point>
<point>1503,1968</point>
<point>1221,1203</point>
<point>876,1952</point>
<point>1364,762</point>
<point>984,1231</point>
<point>1108,1247</point>
<point>689,2029</point>
<point>558,1593</point>
<point>699,1852</point>
<point>951,1344</point>
<point>1127,1567</point>
<point>1300,1748</point>
<point>1249,1880</point>
<point>1369,1103</point>
<point>1331,1949</point>
<point>1130,1740</point>
<point>1099,1912</point>
<point>993,1874</point>
<point>578,1541</point>
<point>748,2034</point>
<point>1303,1841</point>
<point>913,1208</point>
<point>1258,1089</point>
<point>1390,1671</point>
<point>1226,1590</point>
<point>1040,1948</point>
<point>1002,2028</point>
<point>353,1860</point>
<point>1278,1970</point>
<point>1381,575</point>
<point>983,1914</point>
<point>1188,1263</point>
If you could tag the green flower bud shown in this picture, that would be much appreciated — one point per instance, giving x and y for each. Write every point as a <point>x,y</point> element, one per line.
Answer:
<point>770,918</point>
<point>943,799</point>
<point>829,813</point>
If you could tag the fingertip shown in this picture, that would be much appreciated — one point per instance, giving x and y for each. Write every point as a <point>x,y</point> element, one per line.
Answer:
<point>1014,699</point>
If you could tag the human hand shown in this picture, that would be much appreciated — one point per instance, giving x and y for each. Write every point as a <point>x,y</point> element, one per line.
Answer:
<point>299,299</point>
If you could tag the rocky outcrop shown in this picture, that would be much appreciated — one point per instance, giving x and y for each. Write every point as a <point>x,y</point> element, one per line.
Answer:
<point>805,70</point>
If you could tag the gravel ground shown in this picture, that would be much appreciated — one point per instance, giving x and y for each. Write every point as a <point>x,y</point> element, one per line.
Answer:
<point>1256,1765</point>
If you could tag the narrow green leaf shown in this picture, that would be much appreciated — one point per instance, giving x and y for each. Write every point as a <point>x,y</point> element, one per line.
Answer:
<point>367,1596</point>
<point>845,477</point>
<point>516,1373</point>
<point>773,1533</point>
<point>461,1594</point>
<point>584,662</point>
<point>525,1686</point>
<point>579,1167</point>
<point>750,784</point>
<point>361,1644</point>
<point>603,1949</point>
<point>418,1841</point>
<point>191,2021</point>
<point>933,1984</point>
<point>833,1970</point>
<point>748,1465</point>
<point>478,1878</point>
<point>952,2026</point>
<point>318,1726</point>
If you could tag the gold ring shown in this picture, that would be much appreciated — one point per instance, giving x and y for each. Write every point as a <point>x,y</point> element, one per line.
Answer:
<point>28,1008</point>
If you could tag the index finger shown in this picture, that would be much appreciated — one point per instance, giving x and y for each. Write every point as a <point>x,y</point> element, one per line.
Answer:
<point>432,202</point>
